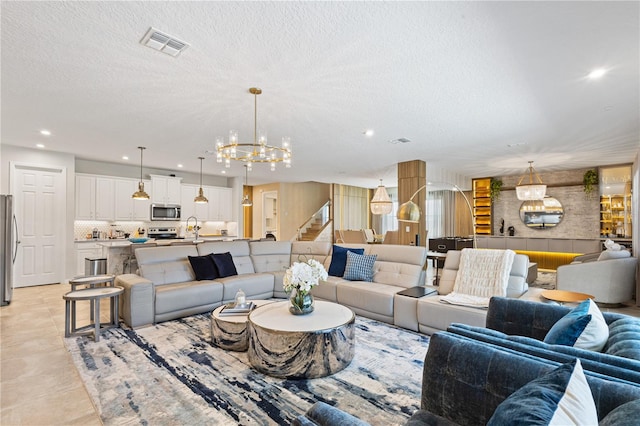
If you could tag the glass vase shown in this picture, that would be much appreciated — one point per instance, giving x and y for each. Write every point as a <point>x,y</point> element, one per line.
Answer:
<point>300,302</point>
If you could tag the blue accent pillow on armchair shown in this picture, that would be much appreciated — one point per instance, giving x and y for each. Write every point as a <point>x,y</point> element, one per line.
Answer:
<point>339,260</point>
<point>560,397</point>
<point>584,327</point>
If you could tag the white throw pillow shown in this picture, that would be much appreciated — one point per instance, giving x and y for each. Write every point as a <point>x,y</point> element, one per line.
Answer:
<point>614,254</point>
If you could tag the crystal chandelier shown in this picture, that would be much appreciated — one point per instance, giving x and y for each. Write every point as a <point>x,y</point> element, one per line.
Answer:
<point>531,191</point>
<point>258,151</point>
<point>381,203</point>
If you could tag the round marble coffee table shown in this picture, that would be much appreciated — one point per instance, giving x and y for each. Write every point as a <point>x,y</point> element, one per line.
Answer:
<point>230,331</point>
<point>301,346</point>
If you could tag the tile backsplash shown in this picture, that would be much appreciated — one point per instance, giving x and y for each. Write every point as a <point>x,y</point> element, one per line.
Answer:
<point>84,228</point>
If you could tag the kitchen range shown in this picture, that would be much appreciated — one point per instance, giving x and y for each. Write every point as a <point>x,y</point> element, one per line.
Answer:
<point>164,233</point>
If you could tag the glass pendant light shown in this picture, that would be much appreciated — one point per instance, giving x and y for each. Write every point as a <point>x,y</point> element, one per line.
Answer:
<point>140,194</point>
<point>200,198</point>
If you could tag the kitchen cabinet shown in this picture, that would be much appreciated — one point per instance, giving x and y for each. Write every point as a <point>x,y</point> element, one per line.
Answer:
<point>165,189</point>
<point>126,208</point>
<point>189,207</point>
<point>94,197</point>
<point>86,250</point>
<point>220,204</point>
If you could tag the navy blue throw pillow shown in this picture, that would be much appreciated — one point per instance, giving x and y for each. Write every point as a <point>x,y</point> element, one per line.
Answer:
<point>224,263</point>
<point>203,267</point>
<point>339,260</point>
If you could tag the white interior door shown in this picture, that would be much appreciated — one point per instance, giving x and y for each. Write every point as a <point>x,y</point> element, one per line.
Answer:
<point>40,200</point>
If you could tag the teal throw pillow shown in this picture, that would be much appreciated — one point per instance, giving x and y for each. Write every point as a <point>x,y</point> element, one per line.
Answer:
<point>359,267</point>
<point>584,327</point>
<point>560,397</point>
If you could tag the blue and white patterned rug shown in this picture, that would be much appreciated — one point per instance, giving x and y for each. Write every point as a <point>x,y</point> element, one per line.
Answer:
<point>171,374</point>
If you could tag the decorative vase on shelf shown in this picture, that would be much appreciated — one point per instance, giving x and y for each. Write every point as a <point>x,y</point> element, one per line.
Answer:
<point>300,302</point>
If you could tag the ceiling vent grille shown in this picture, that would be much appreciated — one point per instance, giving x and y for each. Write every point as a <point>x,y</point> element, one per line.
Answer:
<point>399,140</point>
<point>163,42</point>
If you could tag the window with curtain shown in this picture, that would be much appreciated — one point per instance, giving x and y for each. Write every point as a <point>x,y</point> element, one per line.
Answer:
<point>441,213</point>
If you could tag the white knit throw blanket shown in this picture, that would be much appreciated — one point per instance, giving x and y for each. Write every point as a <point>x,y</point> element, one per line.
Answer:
<point>481,275</point>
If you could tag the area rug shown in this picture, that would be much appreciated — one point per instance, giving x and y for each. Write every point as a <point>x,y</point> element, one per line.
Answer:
<point>546,280</point>
<point>170,373</point>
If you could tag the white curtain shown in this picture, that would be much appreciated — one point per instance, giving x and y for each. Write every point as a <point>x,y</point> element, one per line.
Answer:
<point>441,213</point>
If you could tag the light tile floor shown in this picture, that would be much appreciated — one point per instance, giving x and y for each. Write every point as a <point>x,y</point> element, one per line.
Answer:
<point>39,384</point>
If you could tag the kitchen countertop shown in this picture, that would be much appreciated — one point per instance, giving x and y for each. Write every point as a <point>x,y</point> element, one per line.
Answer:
<point>163,242</point>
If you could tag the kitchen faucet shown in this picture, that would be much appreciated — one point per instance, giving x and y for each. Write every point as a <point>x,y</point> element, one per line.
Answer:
<point>196,228</point>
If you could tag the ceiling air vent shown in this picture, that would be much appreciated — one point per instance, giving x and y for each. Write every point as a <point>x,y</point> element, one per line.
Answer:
<point>399,140</point>
<point>163,42</point>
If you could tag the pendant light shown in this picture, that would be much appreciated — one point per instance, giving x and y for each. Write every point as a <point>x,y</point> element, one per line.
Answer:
<point>246,201</point>
<point>200,198</point>
<point>531,191</point>
<point>381,203</point>
<point>140,194</point>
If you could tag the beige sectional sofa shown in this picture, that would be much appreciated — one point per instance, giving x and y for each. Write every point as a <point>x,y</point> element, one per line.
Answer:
<point>433,315</point>
<point>396,268</point>
<point>166,287</point>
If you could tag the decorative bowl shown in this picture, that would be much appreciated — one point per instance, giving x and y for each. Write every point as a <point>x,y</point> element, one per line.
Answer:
<point>138,240</point>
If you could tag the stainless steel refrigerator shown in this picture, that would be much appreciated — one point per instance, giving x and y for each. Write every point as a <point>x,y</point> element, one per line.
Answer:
<point>8,247</point>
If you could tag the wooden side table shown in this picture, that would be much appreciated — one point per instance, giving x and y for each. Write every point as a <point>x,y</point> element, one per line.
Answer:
<point>563,296</point>
<point>94,295</point>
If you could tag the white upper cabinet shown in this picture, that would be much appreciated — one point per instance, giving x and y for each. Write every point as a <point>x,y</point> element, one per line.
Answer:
<point>165,189</point>
<point>94,198</point>
<point>126,208</point>
<point>220,204</point>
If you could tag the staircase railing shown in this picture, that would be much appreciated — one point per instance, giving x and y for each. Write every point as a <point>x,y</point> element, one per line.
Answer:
<point>321,217</point>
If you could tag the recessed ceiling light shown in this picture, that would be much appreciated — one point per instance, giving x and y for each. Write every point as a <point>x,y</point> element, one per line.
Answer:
<point>179,166</point>
<point>511,145</point>
<point>368,133</point>
<point>224,172</point>
<point>124,157</point>
<point>45,132</point>
<point>39,145</point>
<point>597,73</point>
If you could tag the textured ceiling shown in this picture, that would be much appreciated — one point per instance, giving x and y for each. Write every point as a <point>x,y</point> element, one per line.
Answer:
<point>461,80</point>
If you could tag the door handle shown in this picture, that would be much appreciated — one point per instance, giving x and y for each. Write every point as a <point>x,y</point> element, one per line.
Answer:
<point>15,227</point>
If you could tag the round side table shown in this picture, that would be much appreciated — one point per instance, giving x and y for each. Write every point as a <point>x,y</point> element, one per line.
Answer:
<point>92,281</point>
<point>94,295</point>
<point>230,331</point>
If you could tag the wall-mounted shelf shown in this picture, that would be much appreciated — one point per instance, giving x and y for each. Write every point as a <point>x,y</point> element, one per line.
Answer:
<point>482,206</point>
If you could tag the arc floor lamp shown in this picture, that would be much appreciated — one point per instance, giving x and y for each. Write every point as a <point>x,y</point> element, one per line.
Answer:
<point>410,212</point>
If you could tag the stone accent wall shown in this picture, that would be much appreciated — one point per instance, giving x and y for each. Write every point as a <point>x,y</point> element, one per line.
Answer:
<point>581,212</point>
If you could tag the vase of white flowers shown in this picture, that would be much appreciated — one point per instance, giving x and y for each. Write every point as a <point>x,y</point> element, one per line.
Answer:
<point>299,279</point>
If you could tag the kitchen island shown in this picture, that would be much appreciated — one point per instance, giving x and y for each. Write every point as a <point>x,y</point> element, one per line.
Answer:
<point>118,252</point>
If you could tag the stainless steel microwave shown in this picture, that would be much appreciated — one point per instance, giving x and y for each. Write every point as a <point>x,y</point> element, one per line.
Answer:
<point>165,212</point>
